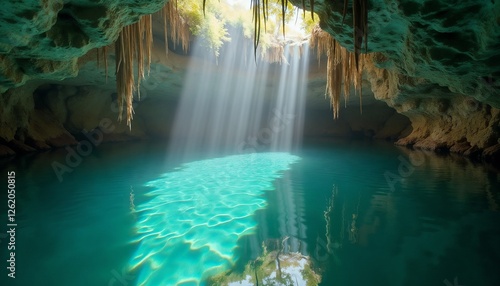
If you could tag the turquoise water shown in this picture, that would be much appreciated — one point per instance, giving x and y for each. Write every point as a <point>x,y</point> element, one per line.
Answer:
<point>364,213</point>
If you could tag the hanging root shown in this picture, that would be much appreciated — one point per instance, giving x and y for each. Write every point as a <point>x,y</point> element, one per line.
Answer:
<point>133,48</point>
<point>342,67</point>
<point>178,27</point>
<point>135,42</point>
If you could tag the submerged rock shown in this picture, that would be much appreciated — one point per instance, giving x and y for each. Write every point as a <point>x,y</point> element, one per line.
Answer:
<point>293,269</point>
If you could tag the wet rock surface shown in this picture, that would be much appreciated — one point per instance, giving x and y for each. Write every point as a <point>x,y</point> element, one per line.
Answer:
<point>435,62</point>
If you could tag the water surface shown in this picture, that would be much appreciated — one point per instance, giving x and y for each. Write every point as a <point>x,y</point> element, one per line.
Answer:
<point>435,220</point>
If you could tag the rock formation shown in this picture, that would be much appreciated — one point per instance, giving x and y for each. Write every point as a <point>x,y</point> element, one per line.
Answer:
<point>45,42</point>
<point>43,39</point>
<point>436,62</point>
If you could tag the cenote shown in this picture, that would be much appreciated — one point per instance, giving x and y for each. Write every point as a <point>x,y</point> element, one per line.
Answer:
<point>199,142</point>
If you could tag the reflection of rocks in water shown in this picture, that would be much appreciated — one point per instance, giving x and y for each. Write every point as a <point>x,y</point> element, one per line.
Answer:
<point>272,268</point>
<point>353,231</point>
<point>366,230</point>
<point>338,222</point>
<point>131,199</point>
<point>465,178</point>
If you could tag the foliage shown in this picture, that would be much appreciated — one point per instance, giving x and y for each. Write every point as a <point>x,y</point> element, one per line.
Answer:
<point>213,33</point>
<point>308,23</point>
<point>211,23</point>
<point>208,25</point>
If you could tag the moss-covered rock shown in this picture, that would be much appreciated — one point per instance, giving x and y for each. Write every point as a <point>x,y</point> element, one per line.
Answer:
<point>44,38</point>
<point>435,62</point>
<point>292,269</point>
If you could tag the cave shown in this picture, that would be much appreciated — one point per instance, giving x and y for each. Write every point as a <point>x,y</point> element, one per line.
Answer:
<point>235,142</point>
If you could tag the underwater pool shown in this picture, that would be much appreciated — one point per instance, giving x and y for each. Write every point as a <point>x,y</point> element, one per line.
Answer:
<point>343,213</point>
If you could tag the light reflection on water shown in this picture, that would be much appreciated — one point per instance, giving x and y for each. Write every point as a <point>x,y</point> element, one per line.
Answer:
<point>191,226</point>
<point>439,223</point>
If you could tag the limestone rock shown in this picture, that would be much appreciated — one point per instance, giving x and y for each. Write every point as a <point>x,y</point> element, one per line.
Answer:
<point>20,147</point>
<point>492,154</point>
<point>395,126</point>
<point>6,151</point>
<point>44,127</point>
<point>43,39</point>
<point>451,44</point>
<point>435,62</point>
<point>15,108</point>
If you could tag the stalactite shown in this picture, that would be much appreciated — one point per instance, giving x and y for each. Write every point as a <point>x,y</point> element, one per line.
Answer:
<point>273,53</point>
<point>164,14</point>
<point>97,57</point>
<point>102,55</point>
<point>148,35</point>
<point>360,27</point>
<point>346,66</point>
<point>125,48</point>
<point>343,67</point>
<point>178,27</point>
<point>137,44</point>
<point>133,49</point>
<point>105,57</point>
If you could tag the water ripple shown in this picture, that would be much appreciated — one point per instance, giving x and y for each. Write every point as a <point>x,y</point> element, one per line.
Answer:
<point>191,226</point>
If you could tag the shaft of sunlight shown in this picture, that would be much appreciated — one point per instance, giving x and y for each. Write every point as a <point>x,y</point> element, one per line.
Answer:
<point>241,105</point>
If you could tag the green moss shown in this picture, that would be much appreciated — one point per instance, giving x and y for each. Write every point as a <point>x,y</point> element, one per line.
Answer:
<point>264,268</point>
<point>211,25</point>
<point>310,276</point>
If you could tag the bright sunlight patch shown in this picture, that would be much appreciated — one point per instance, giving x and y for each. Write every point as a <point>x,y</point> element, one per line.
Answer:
<point>190,228</point>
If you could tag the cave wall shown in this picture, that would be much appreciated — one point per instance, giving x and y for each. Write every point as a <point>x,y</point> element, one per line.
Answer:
<point>44,114</point>
<point>52,90</point>
<point>43,39</point>
<point>361,117</point>
<point>442,120</point>
<point>435,62</point>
